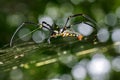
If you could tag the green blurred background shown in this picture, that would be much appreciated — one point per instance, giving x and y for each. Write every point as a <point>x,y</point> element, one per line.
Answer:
<point>105,12</point>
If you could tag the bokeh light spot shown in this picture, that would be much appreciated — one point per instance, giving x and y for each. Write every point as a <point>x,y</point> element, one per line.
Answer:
<point>99,67</point>
<point>111,19</point>
<point>85,29</point>
<point>52,11</point>
<point>116,64</point>
<point>116,35</point>
<point>66,77</point>
<point>68,60</point>
<point>16,74</point>
<point>14,19</point>
<point>24,34</point>
<point>103,35</point>
<point>46,19</point>
<point>38,36</point>
<point>118,12</point>
<point>66,8</point>
<point>79,72</point>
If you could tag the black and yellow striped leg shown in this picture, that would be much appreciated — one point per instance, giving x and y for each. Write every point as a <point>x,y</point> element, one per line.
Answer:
<point>45,24</point>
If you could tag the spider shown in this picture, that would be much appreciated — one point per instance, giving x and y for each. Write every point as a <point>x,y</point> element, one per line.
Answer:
<point>55,31</point>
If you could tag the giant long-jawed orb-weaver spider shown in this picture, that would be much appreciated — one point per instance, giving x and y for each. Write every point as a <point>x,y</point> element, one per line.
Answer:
<point>55,31</point>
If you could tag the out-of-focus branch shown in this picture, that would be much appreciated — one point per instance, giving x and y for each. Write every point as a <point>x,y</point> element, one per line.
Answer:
<point>11,58</point>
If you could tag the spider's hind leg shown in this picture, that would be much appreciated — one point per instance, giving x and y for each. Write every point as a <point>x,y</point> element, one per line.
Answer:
<point>76,15</point>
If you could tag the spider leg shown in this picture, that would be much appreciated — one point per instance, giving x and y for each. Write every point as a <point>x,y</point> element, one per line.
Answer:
<point>50,29</point>
<point>68,27</point>
<point>26,23</point>
<point>76,15</point>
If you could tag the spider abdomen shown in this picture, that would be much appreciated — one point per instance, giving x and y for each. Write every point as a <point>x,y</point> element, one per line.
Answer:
<point>66,34</point>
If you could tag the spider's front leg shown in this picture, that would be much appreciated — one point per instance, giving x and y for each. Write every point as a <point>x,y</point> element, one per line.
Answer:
<point>24,23</point>
<point>44,24</point>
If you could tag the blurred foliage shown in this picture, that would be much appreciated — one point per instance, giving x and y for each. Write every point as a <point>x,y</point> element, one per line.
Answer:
<point>30,61</point>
